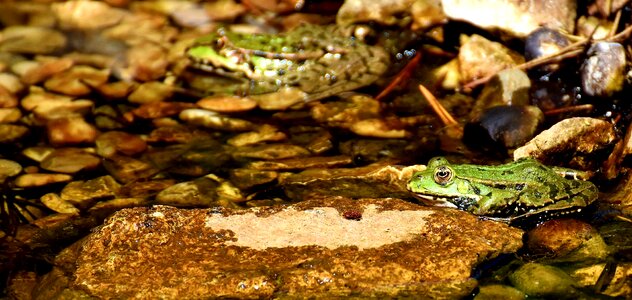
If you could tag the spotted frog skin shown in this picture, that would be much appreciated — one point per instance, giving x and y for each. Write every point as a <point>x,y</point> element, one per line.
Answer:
<point>312,60</point>
<point>505,192</point>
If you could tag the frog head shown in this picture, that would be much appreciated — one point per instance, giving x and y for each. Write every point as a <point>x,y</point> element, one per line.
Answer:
<point>215,53</point>
<point>441,185</point>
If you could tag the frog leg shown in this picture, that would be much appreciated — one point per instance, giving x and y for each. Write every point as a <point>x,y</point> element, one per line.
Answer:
<point>494,201</point>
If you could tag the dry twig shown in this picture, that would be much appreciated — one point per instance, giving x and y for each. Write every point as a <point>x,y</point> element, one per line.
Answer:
<point>401,76</point>
<point>569,51</point>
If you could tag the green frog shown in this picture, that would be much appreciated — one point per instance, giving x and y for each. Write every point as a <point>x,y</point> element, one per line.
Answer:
<point>309,62</point>
<point>505,192</point>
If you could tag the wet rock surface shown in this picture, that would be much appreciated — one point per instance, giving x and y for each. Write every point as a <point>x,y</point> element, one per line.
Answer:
<point>538,280</point>
<point>314,249</point>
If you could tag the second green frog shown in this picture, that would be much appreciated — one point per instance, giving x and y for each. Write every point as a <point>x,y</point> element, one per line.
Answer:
<point>505,192</point>
<point>309,62</point>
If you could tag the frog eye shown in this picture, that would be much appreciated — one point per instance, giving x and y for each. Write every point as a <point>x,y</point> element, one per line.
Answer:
<point>443,175</point>
<point>219,43</point>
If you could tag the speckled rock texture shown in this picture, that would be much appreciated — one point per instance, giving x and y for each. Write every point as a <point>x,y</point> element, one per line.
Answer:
<point>321,248</point>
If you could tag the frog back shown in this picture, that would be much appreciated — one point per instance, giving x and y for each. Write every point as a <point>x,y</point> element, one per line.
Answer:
<point>327,62</point>
<point>523,186</point>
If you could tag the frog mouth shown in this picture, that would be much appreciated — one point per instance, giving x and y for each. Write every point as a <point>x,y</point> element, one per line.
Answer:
<point>436,200</point>
<point>222,71</point>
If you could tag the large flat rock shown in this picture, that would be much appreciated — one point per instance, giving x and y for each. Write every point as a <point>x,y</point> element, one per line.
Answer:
<point>318,248</point>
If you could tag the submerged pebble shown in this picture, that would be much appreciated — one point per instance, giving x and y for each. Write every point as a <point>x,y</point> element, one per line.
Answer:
<point>567,240</point>
<point>505,126</point>
<point>538,280</point>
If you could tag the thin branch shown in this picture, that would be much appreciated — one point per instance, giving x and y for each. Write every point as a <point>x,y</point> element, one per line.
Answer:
<point>401,76</point>
<point>569,51</point>
<point>615,24</point>
<point>621,35</point>
<point>443,114</point>
<point>575,108</point>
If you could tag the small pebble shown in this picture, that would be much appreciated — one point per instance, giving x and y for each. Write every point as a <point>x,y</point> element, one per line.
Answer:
<point>213,120</point>
<point>10,133</point>
<point>263,133</point>
<point>70,131</point>
<point>155,110</point>
<point>10,115</point>
<point>152,91</point>
<point>70,160</point>
<point>113,142</point>
<point>227,104</point>
<point>9,168</point>
<point>54,202</point>
<point>31,40</point>
<point>35,180</point>
<point>84,193</point>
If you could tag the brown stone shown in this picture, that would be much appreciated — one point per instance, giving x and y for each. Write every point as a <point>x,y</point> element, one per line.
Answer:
<point>207,191</point>
<point>302,163</point>
<point>10,133</point>
<point>31,39</point>
<point>248,178</point>
<point>46,70</point>
<point>70,131</point>
<point>37,97</point>
<point>84,193</point>
<point>152,91</point>
<point>9,168</point>
<point>63,109</point>
<point>7,99</point>
<point>378,128</point>
<point>227,104</point>
<point>171,134</point>
<point>76,81</point>
<point>10,115</point>
<point>116,90</point>
<point>127,169</point>
<point>11,82</point>
<point>87,15</point>
<point>392,249</point>
<point>213,120</point>
<point>145,188</point>
<point>33,180</point>
<point>113,142</point>
<point>69,160</point>
<point>480,57</point>
<point>153,110</point>
<point>147,61</point>
<point>263,133</point>
<point>271,151</point>
<point>567,240</point>
<point>57,204</point>
<point>578,138</point>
